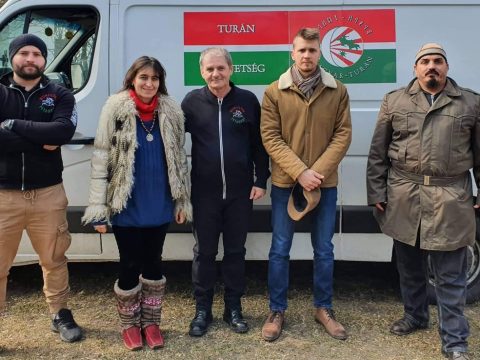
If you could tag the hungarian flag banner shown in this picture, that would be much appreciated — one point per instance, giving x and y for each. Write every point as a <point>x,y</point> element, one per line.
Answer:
<point>357,46</point>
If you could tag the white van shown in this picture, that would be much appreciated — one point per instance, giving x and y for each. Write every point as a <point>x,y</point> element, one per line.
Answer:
<point>368,45</point>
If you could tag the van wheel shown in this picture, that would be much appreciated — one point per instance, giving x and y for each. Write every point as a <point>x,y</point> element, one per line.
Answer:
<point>473,273</point>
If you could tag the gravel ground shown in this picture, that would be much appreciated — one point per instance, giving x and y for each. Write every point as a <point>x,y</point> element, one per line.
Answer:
<point>366,302</point>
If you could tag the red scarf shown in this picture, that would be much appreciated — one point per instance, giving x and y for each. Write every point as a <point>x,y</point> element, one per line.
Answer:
<point>145,111</point>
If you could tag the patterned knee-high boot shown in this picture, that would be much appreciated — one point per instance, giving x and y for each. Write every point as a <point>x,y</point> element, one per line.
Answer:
<point>153,292</point>
<point>129,309</point>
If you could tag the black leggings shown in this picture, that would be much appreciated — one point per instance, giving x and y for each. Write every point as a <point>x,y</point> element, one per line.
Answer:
<point>140,252</point>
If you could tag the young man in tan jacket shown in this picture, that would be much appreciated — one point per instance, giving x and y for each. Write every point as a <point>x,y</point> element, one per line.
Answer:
<point>306,130</point>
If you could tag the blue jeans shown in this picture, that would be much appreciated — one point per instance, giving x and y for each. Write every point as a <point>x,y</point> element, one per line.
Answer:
<point>450,275</point>
<point>323,228</point>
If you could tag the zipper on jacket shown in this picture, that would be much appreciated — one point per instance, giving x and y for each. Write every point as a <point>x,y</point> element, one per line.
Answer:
<point>25,102</point>
<point>222,161</point>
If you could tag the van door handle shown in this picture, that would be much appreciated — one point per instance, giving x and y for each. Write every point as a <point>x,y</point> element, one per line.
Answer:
<point>85,140</point>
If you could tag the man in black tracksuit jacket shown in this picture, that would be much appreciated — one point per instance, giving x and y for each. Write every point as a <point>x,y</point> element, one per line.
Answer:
<point>36,118</point>
<point>229,170</point>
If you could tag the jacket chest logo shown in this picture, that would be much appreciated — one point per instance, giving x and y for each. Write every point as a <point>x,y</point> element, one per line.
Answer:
<point>238,115</point>
<point>47,103</point>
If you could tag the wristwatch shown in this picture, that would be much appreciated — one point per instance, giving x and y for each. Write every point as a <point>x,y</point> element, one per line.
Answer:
<point>7,124</point>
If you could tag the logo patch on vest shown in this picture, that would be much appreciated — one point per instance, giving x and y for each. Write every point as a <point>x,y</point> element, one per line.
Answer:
<point>238,115</point>
<point>47,103</point>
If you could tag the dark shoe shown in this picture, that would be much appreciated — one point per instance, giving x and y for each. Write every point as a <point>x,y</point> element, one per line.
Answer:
<point>457,355</point>
<point>199,324</point>
<point>404,327</point>
<point>272,328</point>
<point>235,319</point>
<point>64,324</point>
<point>326,317</point>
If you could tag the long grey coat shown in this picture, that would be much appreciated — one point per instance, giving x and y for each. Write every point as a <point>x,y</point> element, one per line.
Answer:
<point>441,141</point>
<point>112,174</point>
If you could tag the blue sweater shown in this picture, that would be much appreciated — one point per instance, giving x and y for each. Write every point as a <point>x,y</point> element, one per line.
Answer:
<point>151,202</point>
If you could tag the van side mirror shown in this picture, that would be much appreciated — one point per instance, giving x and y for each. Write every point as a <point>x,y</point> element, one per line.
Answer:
<point>60,78</point>
<point>4,70</point>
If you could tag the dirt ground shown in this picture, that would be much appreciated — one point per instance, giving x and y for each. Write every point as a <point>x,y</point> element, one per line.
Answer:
<point>366,301</point>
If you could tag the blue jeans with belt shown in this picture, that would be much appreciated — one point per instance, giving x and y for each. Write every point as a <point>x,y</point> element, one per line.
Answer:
<point>323,228</point>
<point>449,270</point>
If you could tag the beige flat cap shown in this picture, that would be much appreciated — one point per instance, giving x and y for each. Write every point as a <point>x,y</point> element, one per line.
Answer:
<point>430,49</point>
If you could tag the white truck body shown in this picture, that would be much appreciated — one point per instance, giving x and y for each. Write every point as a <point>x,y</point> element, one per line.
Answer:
<point>113,33</point>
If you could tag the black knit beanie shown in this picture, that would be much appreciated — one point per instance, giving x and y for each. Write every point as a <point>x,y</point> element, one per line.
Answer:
<point>25,40</point>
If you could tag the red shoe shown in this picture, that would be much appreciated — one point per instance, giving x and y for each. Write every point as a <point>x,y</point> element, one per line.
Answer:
<point>153,336</point>
<point>132,338</point>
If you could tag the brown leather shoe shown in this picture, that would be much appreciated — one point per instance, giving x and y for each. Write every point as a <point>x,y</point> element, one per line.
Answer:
<point>326,317</point>
<point>272,328</point>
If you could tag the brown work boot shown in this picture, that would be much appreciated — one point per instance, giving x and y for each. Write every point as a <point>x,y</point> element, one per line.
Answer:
<point>326,317</point>
<point>272,328</point>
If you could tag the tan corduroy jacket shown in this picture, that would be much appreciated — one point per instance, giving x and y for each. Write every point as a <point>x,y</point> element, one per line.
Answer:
<point>301,134</point>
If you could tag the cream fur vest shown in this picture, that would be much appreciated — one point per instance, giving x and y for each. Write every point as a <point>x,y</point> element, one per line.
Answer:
<point>112,173</point>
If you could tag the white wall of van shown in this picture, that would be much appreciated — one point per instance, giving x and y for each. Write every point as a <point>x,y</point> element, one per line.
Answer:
<point>169,30</point>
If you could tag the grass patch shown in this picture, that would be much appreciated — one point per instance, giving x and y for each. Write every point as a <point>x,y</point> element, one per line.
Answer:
<point>366,302</point>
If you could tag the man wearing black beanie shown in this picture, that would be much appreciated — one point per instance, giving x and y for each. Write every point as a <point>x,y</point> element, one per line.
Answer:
<point>36,118</point>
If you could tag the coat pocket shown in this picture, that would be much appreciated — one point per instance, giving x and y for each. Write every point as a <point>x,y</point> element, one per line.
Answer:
<point>398,147</point>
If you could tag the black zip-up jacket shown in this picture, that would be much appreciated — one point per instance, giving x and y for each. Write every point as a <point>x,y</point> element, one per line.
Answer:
<point>46,115</point>
<point>227,149</point>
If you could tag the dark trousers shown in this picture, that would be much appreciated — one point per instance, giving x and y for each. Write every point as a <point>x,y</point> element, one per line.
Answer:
<point>212,217</point>
<point>450,275</point>
<point>140,252</point>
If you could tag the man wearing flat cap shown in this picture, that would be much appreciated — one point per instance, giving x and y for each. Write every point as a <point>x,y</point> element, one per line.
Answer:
<point>426,140</point>
<point>36,118</point>
<point>306,129</point>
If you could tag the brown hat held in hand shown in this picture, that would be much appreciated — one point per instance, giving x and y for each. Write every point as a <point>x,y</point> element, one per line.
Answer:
<point>302,201</point>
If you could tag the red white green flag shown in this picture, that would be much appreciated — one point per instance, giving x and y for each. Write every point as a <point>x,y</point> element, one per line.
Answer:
<point>358,46</point>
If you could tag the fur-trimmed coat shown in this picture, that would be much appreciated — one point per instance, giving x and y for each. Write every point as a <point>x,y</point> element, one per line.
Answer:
<point>112,172</point>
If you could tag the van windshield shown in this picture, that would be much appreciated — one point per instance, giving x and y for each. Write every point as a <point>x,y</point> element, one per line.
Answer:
<point>70,37</point>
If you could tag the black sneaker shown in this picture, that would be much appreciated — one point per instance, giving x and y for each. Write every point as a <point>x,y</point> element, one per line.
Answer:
<point>456,355</point>
<point>64,324</point>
